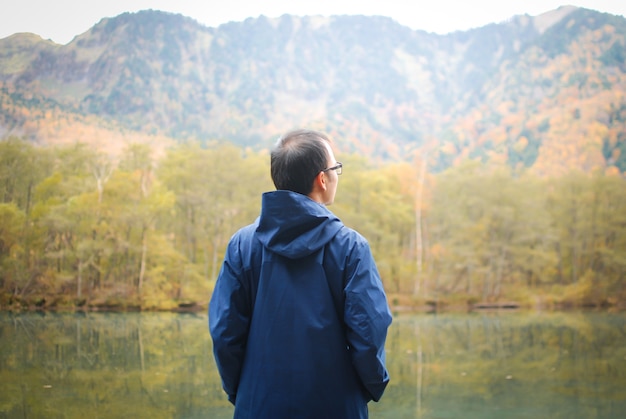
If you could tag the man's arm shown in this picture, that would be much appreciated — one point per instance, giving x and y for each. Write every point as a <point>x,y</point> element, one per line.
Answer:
<point>229,320</point>
<point>367,317</point>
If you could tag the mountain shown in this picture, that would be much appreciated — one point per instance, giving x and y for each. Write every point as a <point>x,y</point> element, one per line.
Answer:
<point>545,92</point>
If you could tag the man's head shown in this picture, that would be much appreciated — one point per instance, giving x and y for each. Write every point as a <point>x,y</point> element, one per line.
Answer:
<point>299,163</point>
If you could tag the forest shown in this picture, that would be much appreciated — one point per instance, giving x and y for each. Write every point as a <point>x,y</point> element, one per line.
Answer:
<point>80,229</point>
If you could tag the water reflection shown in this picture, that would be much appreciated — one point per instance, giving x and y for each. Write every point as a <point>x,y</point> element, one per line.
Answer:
<point>520,365</point>
<point>159,365</point>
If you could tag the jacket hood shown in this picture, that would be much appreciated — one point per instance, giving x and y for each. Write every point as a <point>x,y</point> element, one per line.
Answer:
<point>293,225</point>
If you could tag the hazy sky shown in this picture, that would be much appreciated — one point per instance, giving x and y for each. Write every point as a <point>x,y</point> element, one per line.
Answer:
<point>61,20</point>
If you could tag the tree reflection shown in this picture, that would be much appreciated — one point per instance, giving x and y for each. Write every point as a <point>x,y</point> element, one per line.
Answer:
<point>160,365</point>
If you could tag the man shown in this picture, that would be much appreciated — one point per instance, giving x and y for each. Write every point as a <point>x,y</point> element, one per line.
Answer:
<point>298,315</point>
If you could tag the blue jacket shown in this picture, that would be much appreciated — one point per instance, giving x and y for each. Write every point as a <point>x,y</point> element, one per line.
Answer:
<point>298,316</point>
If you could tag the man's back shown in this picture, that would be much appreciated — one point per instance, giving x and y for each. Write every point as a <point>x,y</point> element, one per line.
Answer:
<point>298,315</point>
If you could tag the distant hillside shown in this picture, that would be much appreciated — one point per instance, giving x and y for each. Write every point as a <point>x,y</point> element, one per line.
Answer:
<point>546,92</point>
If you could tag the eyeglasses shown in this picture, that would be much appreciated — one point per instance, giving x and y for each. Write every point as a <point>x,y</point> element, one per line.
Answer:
<point>338,168</point>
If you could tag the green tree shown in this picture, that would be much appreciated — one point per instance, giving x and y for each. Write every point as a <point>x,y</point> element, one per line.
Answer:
<point>12,271</point>
<point>372,201</point>
<point>217,191</point>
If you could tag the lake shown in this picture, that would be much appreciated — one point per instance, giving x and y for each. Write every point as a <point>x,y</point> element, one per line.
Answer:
<point>160,365</point>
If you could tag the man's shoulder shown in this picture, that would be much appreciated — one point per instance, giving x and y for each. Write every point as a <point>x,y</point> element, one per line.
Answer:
<point>248,230</point>
<point>245,232</point>
<point>349,236</point>
<point>244,237</point>
<point>242,246</point>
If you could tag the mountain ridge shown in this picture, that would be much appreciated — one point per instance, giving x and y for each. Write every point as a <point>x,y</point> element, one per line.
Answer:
<point>381,88</point>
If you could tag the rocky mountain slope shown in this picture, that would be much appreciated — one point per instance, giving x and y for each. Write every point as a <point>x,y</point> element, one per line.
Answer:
<point>545,92</point>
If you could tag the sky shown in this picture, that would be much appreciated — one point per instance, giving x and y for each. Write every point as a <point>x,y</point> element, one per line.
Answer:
<point>61,20</point>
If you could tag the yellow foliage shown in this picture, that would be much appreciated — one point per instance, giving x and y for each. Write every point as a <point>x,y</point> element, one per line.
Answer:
<point>616,154</point>
<point>521,144</point>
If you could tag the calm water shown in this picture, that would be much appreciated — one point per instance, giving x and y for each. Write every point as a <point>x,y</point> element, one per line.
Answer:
<point>513,365</point>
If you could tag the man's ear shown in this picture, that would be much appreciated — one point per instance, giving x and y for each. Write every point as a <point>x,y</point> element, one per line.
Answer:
<point>320,185</point>
<point>320,181</point>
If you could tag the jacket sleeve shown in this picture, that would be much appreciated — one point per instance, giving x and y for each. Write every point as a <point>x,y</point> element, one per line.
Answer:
<point>367,317</point>
<point>229,319</point>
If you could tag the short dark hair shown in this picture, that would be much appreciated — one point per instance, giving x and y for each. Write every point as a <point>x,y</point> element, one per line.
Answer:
<point>297,159</point>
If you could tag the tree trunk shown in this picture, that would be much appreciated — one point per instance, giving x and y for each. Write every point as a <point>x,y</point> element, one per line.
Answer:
<point>419,244</point>
<point>79,280</point>
<point>144,253</point>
